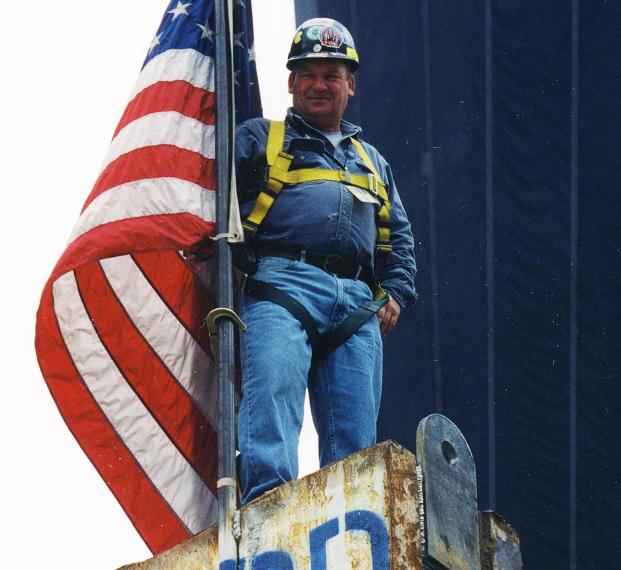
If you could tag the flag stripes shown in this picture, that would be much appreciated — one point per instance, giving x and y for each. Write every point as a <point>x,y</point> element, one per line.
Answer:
<point>168,338</point>
<point>144,359</point>
<point>148,443</point>
<point>163,128</point>
<point>160,391</point>
<point>147,197</point>
<point>136,494</point>
<point>166,97</point>
<point>160,161</point>
<point>121,339</point>
<point>100,242</point>
<point>179,289</point>
<point>187,65</point>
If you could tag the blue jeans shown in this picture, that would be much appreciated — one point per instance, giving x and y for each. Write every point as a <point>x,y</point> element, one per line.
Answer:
<point>344,387</point>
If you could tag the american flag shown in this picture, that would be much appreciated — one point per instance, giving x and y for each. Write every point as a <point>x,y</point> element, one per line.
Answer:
<point>120,336</point>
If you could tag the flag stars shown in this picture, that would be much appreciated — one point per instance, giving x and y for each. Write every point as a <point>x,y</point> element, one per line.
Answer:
<point>240,3</point>
<point>155,42</point>
<point>237,39</point>
<point>207,31</point>
<point>236,78</point>
<point>180,10</point>
<point>252,56</point>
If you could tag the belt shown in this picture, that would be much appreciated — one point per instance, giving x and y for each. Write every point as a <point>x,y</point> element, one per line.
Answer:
<point>331,263</point>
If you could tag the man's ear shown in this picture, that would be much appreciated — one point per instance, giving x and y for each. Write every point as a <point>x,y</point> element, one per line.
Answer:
<point>291,79</point>
<point>351,84</point>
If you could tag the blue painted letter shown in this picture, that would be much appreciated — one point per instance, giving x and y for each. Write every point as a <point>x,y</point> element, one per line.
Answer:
<point>273,560</point>
<point>378,535</point>
<point>318,538</point>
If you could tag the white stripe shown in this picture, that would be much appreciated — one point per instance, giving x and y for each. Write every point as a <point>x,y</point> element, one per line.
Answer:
<point>152,196</point>
<point>177,64</point>
<point>175,346</point>
<point>173,477</point>
<point>167,127</point>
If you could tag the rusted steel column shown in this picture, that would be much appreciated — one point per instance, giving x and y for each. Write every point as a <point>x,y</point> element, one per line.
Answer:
<point>361,512</point>
<point>367,511</point>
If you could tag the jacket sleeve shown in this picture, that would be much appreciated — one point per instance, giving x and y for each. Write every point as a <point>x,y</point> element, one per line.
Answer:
<point>396,274</point>
<point>250,140</point>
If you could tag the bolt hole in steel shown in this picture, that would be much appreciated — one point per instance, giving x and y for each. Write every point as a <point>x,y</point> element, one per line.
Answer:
<point>449,453</point>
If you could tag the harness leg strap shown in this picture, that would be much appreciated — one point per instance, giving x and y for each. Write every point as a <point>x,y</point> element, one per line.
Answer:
<point>332,339</point>
<point>322,344</point>
<point>266,292</point>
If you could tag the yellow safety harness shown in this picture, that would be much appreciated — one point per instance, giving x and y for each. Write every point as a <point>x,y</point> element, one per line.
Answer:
<point>279,176</point>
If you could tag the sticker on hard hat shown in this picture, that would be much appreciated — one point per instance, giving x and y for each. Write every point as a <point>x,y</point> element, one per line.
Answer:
<point>352,53</point>
<point>298,38</point>
<point>330,37</point>
<point>316,48</point>
<point>313,32</point>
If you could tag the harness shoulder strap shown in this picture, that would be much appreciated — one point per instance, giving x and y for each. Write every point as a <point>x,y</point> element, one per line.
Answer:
<point>364,156</point>
<point>278,163</point>
<point>383,246</point>
<point>275,141</point>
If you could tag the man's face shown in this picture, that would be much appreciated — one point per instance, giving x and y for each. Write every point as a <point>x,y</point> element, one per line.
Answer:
<point>320,90</point>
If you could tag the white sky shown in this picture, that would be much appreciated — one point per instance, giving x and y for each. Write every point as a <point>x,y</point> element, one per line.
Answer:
<point>68,70</point>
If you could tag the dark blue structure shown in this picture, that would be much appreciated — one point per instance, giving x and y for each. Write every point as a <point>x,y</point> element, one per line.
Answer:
<point>501,121</point>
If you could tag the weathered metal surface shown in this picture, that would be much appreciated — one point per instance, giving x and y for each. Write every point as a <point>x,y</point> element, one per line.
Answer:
<point>450,496</point>
<point>403,511</point>
<point>198,553</point>
<point>500,544</point>
<point>359,513</point>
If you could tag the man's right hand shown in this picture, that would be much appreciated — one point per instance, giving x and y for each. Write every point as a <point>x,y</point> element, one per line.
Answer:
<point>388,316</point>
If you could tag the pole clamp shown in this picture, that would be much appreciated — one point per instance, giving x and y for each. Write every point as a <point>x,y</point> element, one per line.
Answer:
<point>226,482</point>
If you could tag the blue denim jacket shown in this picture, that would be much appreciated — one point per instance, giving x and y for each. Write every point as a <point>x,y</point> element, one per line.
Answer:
<point>323,216</point>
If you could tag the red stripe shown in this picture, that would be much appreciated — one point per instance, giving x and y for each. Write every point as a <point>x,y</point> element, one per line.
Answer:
<point>181,290</point>
<point>191,311</point>
<point>149,513</point>
<point>179,96</point>
<point>149,233</point>
<point>155,162</point>
<point>156,387</point>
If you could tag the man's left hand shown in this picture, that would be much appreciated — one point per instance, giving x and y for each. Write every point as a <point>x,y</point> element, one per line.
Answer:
<point>388,316</point>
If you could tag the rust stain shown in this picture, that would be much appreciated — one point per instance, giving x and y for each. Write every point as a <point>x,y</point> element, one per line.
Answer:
<point>197,553</point>
<point>381,479</point>
<point>403,510</point>
<point>498,540</point>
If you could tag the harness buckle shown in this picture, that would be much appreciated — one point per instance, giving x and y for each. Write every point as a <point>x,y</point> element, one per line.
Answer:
<point>373,185</point>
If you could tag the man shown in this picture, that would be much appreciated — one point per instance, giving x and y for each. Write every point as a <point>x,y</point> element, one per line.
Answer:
<point>328,246</point>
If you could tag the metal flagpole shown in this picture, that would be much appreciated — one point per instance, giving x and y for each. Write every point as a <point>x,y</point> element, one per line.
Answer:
<point>227,484</point>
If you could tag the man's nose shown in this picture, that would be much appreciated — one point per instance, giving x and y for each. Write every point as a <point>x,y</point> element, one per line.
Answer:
<point>319,84</point>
